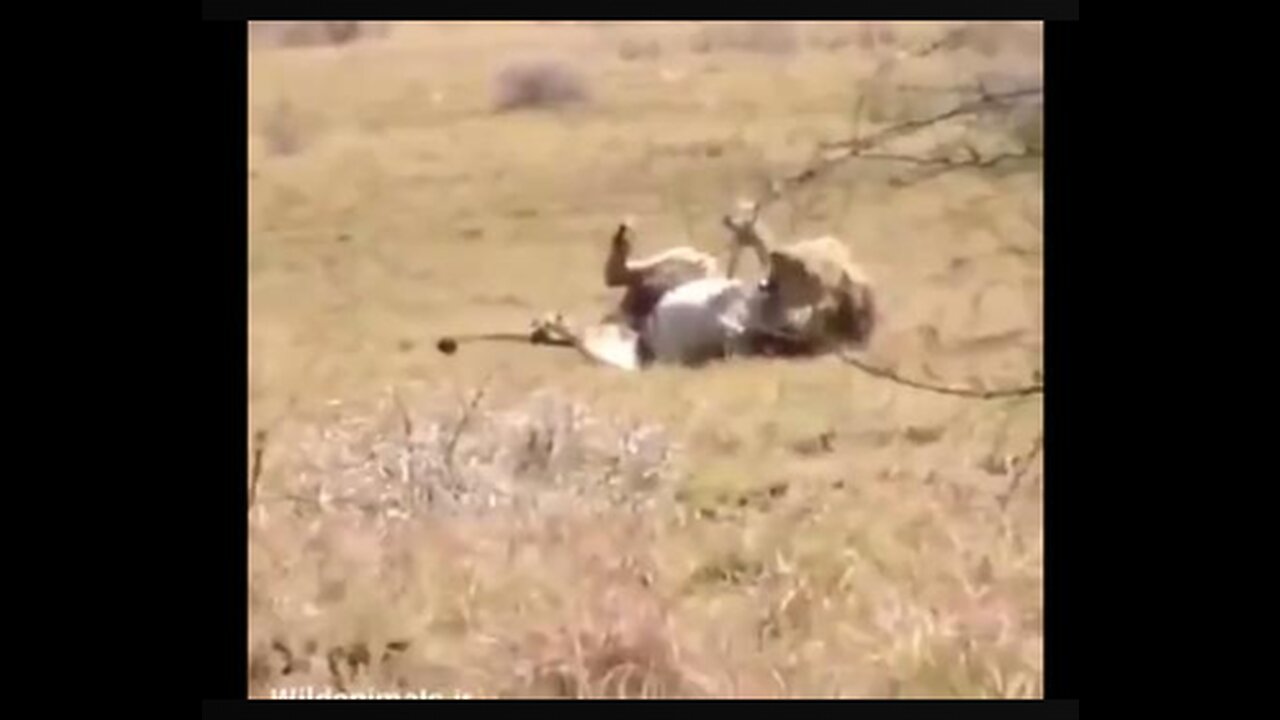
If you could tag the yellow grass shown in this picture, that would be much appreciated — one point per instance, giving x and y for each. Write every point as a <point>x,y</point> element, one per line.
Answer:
<point>818,532</point>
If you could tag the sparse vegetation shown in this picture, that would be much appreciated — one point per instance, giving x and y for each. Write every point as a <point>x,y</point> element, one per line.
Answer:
<point>282,129</point>
<point>533,526</point>
<point>265,34</point>
<point>637,49</point>
<point>771,38</point>
<point>538,84</point>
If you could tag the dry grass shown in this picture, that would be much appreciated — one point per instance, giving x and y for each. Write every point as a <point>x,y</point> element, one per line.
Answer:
<point>758,529</point>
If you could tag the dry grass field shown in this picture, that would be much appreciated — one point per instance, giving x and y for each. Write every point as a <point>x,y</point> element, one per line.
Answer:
<point>511,521</point>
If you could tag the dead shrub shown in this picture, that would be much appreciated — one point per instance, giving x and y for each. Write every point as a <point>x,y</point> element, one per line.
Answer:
<point>700,42</point>
<point>771,38</point>
<point>282,130</point>
<point>313,33</point>
<point>543,450</point>
<point>633,49</point>
<point>385,512</point>
<point>538,84</point>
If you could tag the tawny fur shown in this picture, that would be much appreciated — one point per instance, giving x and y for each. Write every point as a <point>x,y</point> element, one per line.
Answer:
<point>816,290</point>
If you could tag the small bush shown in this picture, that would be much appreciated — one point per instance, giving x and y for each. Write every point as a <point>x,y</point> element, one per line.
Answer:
<point>632,49</point>
<point>282,130</point>
<point>700,42</point>
<point>772,38</point>
<point>314,34</point>
<point>538,85</point>
<point>545,450</point>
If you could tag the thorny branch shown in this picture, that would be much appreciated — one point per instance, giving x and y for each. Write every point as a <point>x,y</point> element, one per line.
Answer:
<point>945,166</point>
<point>948,40</point>
<point>831,154</point>
<point>858,146</point>
<point>892,376</point>
<point>972,160</point>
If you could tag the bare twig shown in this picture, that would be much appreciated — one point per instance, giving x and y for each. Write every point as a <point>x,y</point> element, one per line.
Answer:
<point>255,469</point>
<point>975,89</point>
<point>1024,465</point>
<point>987,101</point>
<point>406,426</point>
<point>834,153</point>
<point>847,356</point>
<point>973,160</point>
<point>406,421</point>
<point>945,41</point>
<point>452,444</point>
<point>858,109</point>
<point>892,376</point>
<point>830,154</point>
<point>944,166</point>
<point>948,40</point>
